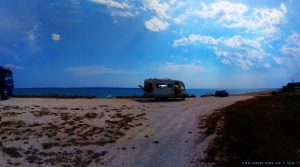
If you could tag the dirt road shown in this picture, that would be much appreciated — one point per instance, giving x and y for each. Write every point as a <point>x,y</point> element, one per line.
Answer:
<point>106,132</point>
<point>174,126</point>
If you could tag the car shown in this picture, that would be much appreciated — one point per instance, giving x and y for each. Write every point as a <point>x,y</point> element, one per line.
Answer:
<point>6,83</point>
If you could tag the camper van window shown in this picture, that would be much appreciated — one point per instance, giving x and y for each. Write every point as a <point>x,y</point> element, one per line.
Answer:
<point>161,86</point>
<point>7,77</point>
<point>182,86</point>
<point>170,85</point>
<point>148,87</point>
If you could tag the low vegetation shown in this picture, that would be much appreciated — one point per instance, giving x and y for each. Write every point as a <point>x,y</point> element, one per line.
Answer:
<point>11,151</point>
<point>54,96</point>
<point>264,129</point>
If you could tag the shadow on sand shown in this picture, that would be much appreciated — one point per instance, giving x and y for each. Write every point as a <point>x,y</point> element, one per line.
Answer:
<point>152,100</point>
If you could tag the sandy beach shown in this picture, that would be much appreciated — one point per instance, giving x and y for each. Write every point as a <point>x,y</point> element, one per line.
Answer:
<point>106,132</point>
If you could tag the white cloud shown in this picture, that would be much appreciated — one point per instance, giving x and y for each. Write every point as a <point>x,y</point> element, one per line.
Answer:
<point>112,4</point>
<point>118,9</point>
<point>172,2</point>
<point>236,41</point>
<point>55,37</point>
<point>94,70</point>
<point>156,24</point>
<point>291,50</point>
<point>177,20</point>
<point>161,9</point>
<point>283,8</point>
<point>125,14</point>
<point>239,50</point>
<point>292,45</point>
<point>278,60</point>
<point>226,61</point>
<point>261,21</point>
<point>32,33</point>
<point>238,15</point>
<point>195,38</point>
<point>224,11</point>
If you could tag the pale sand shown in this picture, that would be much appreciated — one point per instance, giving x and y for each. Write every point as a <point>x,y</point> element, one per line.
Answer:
<point>115,132</point>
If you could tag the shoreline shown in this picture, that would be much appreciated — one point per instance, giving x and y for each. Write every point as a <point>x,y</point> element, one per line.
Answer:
<point>57,96</point>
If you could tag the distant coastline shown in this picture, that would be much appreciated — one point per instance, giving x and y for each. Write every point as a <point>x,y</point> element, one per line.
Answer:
<point>104,92</point>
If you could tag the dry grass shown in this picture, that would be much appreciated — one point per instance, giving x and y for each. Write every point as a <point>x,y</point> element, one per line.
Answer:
<point>264,129</point>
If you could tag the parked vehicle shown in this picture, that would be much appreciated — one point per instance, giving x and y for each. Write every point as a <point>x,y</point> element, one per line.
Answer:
<point>221,93</point>
<point>163,88</point>
<point>6,83</point>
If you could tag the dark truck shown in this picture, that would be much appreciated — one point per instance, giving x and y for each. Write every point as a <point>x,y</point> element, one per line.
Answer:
<point>6,83</point>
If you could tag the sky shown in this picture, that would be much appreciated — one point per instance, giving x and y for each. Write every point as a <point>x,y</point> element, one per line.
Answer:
<point>114,43</point>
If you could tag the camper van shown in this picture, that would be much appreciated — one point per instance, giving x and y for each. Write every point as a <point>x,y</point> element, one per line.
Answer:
<point>163,88</point>
<point>6,83</point>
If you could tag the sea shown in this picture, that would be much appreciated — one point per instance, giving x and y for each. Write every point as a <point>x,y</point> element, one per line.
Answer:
<point>104,92</point>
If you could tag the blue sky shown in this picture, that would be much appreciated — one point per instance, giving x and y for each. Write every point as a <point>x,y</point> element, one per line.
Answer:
<point>111,43</point>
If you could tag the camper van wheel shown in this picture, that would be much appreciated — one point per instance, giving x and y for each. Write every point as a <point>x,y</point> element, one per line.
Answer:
<point>156,99</point>
<point>183,98</point>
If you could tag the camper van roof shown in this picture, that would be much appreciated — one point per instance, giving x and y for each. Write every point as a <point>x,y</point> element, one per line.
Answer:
<point>162,79</point>
<point>5,69</point>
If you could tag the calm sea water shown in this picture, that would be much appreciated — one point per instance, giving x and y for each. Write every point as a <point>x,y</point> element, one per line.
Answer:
<point>113,92</point>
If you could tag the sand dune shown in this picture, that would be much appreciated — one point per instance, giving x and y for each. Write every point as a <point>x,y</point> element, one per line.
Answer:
<point>105,132</point>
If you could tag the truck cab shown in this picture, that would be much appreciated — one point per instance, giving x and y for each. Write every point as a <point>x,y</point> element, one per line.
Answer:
<point>6,83</point>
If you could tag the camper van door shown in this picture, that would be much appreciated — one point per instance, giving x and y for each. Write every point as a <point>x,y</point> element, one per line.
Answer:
<point>179,88</point>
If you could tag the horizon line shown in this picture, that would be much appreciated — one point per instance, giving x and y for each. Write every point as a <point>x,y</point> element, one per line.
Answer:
<point>136,87</point>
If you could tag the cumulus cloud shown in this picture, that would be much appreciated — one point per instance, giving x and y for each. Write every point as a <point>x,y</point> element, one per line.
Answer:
<point>112,3</point>
<point>225,61</point>
<point>283,8</point>
<point>195,38</point>
<point>224,11</point>
<point>236,41</point>
<point>291,50</point>
<point>238,15</point>
<point>278,60</point>
<point>237,49</point>
<point>55,37</point>
<point>118,9</point>
<point>125,14</point>
<point>161,9</point>
<point>292,45</point>
<point>263,21</point>
<point>155,24</point>
<point>94,70</point>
